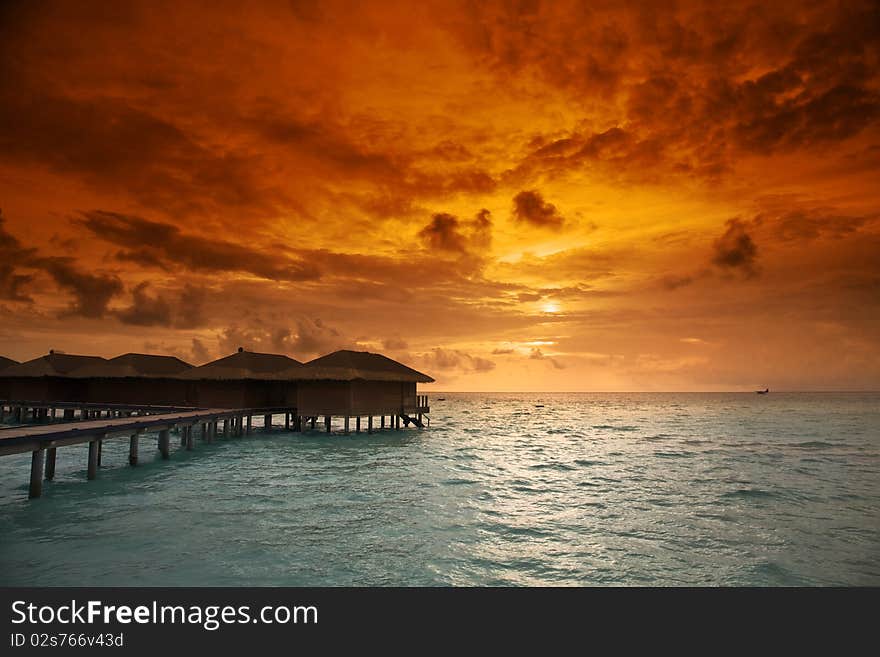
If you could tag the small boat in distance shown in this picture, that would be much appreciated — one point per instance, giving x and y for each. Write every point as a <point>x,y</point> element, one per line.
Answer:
<point>763,392</point>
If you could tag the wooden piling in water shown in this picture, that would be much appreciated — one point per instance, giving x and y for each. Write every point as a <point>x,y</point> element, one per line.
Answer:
<point>190,438</point>
<point>100,452</point>
<point>369,424</point>
<point>346,424</point>
<point>92,469</point>
<point>357,424</point>
<point>164,436</point>
<point>327,422</point>
<point>36,487</point>
<point>133,450</point>
<point>249,423</point>
<point>287,421</point>
<point>267,422</point>
<point>50,463</point>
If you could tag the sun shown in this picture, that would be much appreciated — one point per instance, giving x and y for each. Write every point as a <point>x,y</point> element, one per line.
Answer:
<point>550,307</point>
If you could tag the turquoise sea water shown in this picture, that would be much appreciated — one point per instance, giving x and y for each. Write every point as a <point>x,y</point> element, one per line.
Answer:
<point>591,489</point>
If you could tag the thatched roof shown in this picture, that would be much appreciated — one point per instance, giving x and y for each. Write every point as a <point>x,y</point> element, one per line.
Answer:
<point>134,365</point>
<point>52,364</point>
<point>346,365</point>
<point>245,365</point>
<point>6,362</point>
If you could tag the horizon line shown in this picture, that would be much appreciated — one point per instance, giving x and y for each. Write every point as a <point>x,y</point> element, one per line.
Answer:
<point>628,392</point>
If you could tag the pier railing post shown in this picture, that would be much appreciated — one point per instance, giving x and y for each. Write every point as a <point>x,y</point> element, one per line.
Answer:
<point>36,486</point>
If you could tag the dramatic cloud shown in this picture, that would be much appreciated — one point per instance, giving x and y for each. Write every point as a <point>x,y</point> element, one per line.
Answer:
<point>537,183</point>
<point>302,339</point>
<point>446,232</point>
<point>454,359</point>
<point>735,250</point>
<point>92,292</point>
<point>164,243</point>
<point>531,208</point>
<point>181,311</point>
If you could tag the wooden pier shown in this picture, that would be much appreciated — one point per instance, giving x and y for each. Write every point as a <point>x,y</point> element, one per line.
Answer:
<point>98,423</point>
<point>58,399</point>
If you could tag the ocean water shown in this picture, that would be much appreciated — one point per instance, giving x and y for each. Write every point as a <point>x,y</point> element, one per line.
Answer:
<point>502,489</point>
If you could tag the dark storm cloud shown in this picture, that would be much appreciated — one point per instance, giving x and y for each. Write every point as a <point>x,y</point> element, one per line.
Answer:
<point>92,292</point>
<point>531,208</point>
<point>688,98</point>
<point>113,144</point>
<point>735,250</point>
<point>12,255</point>
<point>443,233</point>
<point>168,244</point>
<point>181,310</point>
<point>446,232</point>
<point>811,223</point>
<point>13,284</point>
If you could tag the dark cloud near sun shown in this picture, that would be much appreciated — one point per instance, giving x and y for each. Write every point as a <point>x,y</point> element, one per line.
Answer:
<point>446,232</point>
<point>529,207</point>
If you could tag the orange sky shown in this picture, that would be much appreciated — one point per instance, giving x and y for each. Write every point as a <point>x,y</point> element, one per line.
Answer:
<point>506,195</point>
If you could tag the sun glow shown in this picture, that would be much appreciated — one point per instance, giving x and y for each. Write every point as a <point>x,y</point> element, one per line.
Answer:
<point>550,307</point>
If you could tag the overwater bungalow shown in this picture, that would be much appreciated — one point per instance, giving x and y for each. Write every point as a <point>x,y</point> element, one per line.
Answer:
<point>6,362</point>
<point>46,378</point>
<point>355,383</point>
<point>245,379</point>
<point>141,379</point>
